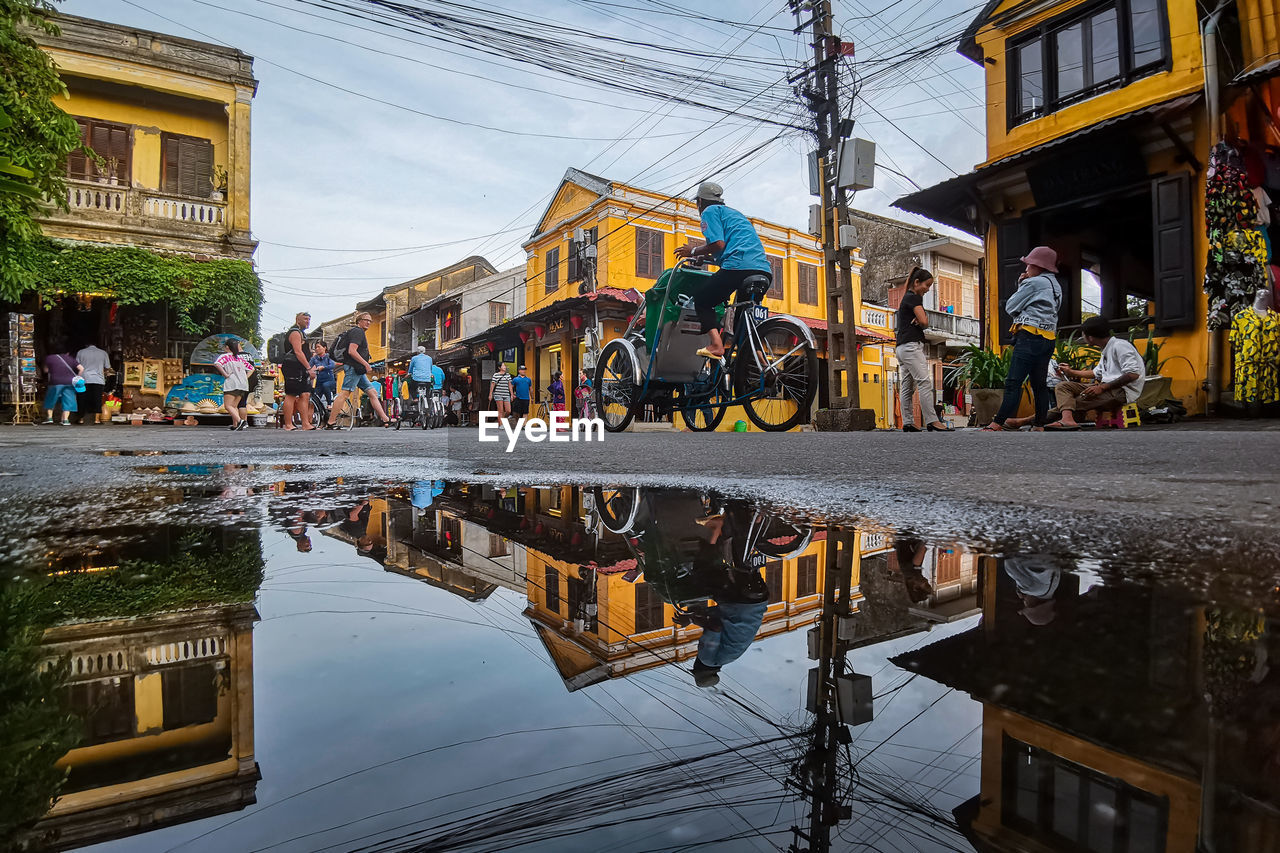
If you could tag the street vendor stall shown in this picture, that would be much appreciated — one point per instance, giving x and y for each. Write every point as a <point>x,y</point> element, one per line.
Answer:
<point>198,394</point>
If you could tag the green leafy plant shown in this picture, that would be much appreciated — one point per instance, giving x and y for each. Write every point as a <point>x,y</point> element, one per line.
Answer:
<point>35,138</point>
<point>1151,354</point>
<point>1073,352</point>
<point>36,725</point>
<point>981,368</point>
<point>196,290</point>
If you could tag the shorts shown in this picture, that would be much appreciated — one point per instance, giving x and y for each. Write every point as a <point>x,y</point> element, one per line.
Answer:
<point>296,379</point>
<point>519,407</point>
<point>716,291</point>
<point>60,396</point>
<point>352,380</point>
<point>89,401</point>
<point>233,394</point>
<point>415,384</point>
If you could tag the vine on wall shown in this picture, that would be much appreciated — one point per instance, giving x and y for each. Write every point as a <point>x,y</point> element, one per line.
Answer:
<point>195,289</point>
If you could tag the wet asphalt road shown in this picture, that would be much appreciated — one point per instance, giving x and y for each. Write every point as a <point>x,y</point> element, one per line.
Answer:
<point>1186,494</point>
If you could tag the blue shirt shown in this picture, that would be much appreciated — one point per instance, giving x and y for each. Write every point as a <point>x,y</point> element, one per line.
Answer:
<point>437,376</point>
<point>520,385</point>
<point>324,376</point>
<point>742,247</point>
<point>420,367</point>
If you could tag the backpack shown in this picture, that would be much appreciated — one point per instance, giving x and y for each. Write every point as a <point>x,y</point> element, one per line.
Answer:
<point>277,346</point>
<point>338,352</point>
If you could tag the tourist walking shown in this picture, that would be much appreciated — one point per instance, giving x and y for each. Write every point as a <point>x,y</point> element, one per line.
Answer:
<point>298,373</point>
<point>500,391</point>
<point>235,369</point>
<point>351,350</point>
<point>96,364</point>
<point>521,391</point>
<point>915,377</point>
<point>1034,308</point>
<point>64,374</point>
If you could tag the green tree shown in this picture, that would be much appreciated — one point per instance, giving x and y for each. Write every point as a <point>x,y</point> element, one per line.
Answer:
<point>35,138</point>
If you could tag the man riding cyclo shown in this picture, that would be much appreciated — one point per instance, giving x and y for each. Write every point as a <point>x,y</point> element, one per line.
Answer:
<point>732,244</point>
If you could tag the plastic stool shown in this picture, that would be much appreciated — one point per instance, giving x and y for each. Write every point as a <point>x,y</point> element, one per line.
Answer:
<point>1129,416</point>
<point>1110,419</point>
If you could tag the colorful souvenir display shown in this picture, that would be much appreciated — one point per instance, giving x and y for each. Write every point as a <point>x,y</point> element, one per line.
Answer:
<point>1237,263</point>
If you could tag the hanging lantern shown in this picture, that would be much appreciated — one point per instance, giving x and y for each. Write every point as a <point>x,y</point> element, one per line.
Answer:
<point>575,320</point>
<point>490,346</point>
<point>524,337</point>
<point>539,331</point>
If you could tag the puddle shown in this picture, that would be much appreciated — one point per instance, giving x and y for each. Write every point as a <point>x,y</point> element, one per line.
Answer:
<point>140,452</point>
<point>209,469</point>
<point>434,665</point>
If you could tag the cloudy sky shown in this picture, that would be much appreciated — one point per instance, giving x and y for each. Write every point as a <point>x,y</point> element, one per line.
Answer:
<point>385,147</point>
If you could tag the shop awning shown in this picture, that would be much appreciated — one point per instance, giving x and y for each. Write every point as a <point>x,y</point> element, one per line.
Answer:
<point>508,331</point>
<point>1263,72</point>
<point>863,331</point>
<point>955,201</point>
<point>452,355</point>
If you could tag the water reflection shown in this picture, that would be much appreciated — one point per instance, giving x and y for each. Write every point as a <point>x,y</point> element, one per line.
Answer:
<point>1115,717</point>
<point>730,675</point>
<point>151,636</point>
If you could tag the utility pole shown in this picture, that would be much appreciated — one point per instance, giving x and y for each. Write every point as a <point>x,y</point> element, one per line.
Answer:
<point>836,698</point>
<point>820,89</point>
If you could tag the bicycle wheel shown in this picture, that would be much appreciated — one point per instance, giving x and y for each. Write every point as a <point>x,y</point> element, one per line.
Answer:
<point>348,414</point>
<point>703,404</point>
<point>780,389</point>
<point>422,415</point>
<point>615,388</point>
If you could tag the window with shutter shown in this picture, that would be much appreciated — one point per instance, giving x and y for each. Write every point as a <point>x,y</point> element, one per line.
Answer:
<point>186,165</point>
<point>807,284</point>
<point>553,269</point>
<point>497,313</point>
<point>648,253</point>
<point>111,142</point>
<point>775,287</point>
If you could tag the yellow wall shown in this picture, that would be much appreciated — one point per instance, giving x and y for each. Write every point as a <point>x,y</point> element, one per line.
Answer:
<point>616,264</point>
<point>148,123</point>
<point>1186,76</point>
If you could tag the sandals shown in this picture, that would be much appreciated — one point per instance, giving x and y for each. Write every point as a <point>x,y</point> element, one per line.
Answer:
<point>1058,427</point>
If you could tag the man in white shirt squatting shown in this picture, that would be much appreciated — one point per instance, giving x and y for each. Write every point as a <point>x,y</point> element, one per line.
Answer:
<point>1117,378</point>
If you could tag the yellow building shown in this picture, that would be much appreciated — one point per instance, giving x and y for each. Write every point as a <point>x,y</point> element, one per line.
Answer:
<point>620,239</point>
<point>170,117</point>
<point>169,122</point>
<point>1100,121</point>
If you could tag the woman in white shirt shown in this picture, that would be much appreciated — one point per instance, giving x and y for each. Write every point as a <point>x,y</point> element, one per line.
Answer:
<point>235,370</point>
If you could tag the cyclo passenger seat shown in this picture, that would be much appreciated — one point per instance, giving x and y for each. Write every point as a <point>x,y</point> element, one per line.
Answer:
<point>753,288</point>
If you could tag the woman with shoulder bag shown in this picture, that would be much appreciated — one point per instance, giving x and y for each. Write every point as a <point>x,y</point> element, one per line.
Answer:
<point>1034,308</point>
<point>65,379</point>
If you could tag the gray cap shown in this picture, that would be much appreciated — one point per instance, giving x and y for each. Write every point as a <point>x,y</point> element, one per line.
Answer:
<point>710,191</point>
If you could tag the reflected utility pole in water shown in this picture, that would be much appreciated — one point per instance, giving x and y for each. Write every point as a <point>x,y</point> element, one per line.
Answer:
<point>837,697</point>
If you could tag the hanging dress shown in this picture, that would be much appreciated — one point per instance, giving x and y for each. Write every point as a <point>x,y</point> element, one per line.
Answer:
<point>1255,349</point>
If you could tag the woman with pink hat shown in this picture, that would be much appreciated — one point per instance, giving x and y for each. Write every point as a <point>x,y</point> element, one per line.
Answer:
<point>1034,308</point>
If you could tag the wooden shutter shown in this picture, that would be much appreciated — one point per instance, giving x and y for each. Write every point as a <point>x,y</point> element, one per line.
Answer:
<point>1171,220</point>
<point>648,253</point>
<point>807,290</point>
<point>110,142</point>
<point>553,269</point>
<point>1011,245</point>
<point>187,165</point>
<point>775,287</point>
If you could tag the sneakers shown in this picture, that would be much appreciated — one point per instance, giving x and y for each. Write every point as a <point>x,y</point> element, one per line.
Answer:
<point>48,421</point>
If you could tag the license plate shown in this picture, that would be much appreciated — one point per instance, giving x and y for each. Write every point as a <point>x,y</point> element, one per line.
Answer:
<point>756,561</point>
<point>759,313</point>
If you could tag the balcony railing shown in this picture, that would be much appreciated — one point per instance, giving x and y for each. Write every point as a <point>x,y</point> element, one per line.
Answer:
<point>106,200</point>
<point>960,330</point>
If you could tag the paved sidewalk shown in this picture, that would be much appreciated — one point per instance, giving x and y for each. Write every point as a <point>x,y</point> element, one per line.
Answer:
<point>1178,490</point>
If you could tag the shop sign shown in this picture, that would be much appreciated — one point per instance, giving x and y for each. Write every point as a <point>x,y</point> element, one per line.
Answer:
<point>1085,172</point>
<point>509,354</point>
<point>480,351</point>
<point>555,326</point>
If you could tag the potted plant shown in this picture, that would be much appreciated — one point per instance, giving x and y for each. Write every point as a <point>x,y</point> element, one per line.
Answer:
<point>983,372</point>
<point>219,183</point>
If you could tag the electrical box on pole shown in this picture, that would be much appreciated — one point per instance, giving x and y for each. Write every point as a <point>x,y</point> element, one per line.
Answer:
<point>815,220</point>
<point>857,165</point>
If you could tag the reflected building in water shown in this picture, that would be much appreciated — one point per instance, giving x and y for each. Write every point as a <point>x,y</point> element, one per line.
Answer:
<point>166,699</point>
<point>578,556</point>
<point>1118,718</point>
